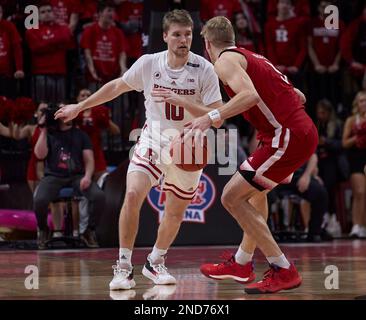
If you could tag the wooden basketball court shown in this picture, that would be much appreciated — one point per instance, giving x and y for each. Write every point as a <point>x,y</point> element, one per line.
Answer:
<point>85,274</point>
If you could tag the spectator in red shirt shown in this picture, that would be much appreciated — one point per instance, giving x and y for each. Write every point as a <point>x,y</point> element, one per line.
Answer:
<point>286,42</point>
<point>353,48</point>
<point>66,12</point>
<point>93,121</point>
<point>301,7</point>
<point>212,8</point>
<point>48,46</point>
<point>89,12</point>
<point>104,47</point>
<point>325,56</point>
<point>129,16</point>
<point>244,37</point>
<point>11,57</point>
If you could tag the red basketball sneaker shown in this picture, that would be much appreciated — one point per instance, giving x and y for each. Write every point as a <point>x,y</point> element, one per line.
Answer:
<point>229,269</point>
<point>276,279</point>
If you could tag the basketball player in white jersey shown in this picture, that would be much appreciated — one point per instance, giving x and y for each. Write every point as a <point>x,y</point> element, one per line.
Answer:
<point>186,75</point>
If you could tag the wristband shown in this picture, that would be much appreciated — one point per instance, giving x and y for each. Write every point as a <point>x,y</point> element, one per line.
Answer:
<point>214,115</point>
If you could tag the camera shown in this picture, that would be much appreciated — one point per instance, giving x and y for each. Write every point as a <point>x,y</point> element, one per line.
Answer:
<point>50,122</point>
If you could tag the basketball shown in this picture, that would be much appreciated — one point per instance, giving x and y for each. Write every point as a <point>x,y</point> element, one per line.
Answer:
<point>188,156</point>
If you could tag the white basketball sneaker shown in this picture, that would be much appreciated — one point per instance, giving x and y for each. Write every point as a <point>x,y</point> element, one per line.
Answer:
<point>122,277</point>
<point>158,273</point>
<point>355,231</point>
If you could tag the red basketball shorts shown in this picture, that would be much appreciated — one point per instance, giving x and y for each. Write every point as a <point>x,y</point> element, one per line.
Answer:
<point>269,166</point>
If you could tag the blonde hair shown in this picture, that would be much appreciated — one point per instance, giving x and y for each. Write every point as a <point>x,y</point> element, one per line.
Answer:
<point>333,122</point>
<point>181,17</point>
<point>219,31</point>
<point>355,101</point>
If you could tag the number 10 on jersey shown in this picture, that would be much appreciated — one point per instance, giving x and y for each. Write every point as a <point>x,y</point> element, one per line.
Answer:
<point>173,112</point>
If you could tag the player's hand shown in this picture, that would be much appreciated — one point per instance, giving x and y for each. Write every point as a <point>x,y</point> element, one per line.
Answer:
<point>85,183</point>
<point>303,183</point>
<point>166,95</point>
<point>198,127</point>
<point>68,112</point>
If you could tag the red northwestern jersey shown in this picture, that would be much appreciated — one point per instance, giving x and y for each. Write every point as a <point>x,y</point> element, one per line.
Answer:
<point>48,46</point>
<point>280,107</point>
<point>132,12</point>
<point>105,45</point>
<point>326,42</point>
<point>10,49</point>
<point>286,42</point>
<point>62,9</point>
<point>213,8</point>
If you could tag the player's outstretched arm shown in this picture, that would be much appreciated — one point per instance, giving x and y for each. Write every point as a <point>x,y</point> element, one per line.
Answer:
<point>108,92</point>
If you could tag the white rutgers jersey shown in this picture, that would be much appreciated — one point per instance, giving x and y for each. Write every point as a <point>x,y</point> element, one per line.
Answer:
<point>197,81</point>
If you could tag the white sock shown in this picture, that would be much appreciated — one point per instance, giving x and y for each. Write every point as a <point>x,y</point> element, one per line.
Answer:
<point>125,256</point>
<point>241,257</point>
<point>280,261</point>
<point>157,255</point>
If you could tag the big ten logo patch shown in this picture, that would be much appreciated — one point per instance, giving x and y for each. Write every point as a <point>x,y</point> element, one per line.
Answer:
<point>202,201</point>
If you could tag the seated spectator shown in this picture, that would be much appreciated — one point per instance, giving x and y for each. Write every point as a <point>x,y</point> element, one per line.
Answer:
<point>353,48</point>
<point>11,57</point>
<point>68,156</point>
<point>35,168</point>
<point>306,184</point>
<point>286,42</point>
<point>244,36</point>
<point>332,160</point>
<point>325,56</point>
<point>48,46</point>
<point>104,47</point>
<point>354,140</point>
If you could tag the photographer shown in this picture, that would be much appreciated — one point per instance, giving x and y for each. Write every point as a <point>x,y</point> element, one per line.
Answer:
<point>68,156</point>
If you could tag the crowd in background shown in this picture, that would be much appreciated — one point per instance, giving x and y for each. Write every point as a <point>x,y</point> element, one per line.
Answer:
<point>82,44</point>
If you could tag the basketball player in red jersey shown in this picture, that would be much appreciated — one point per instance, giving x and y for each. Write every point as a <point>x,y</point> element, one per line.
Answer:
<point>287,138</point>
